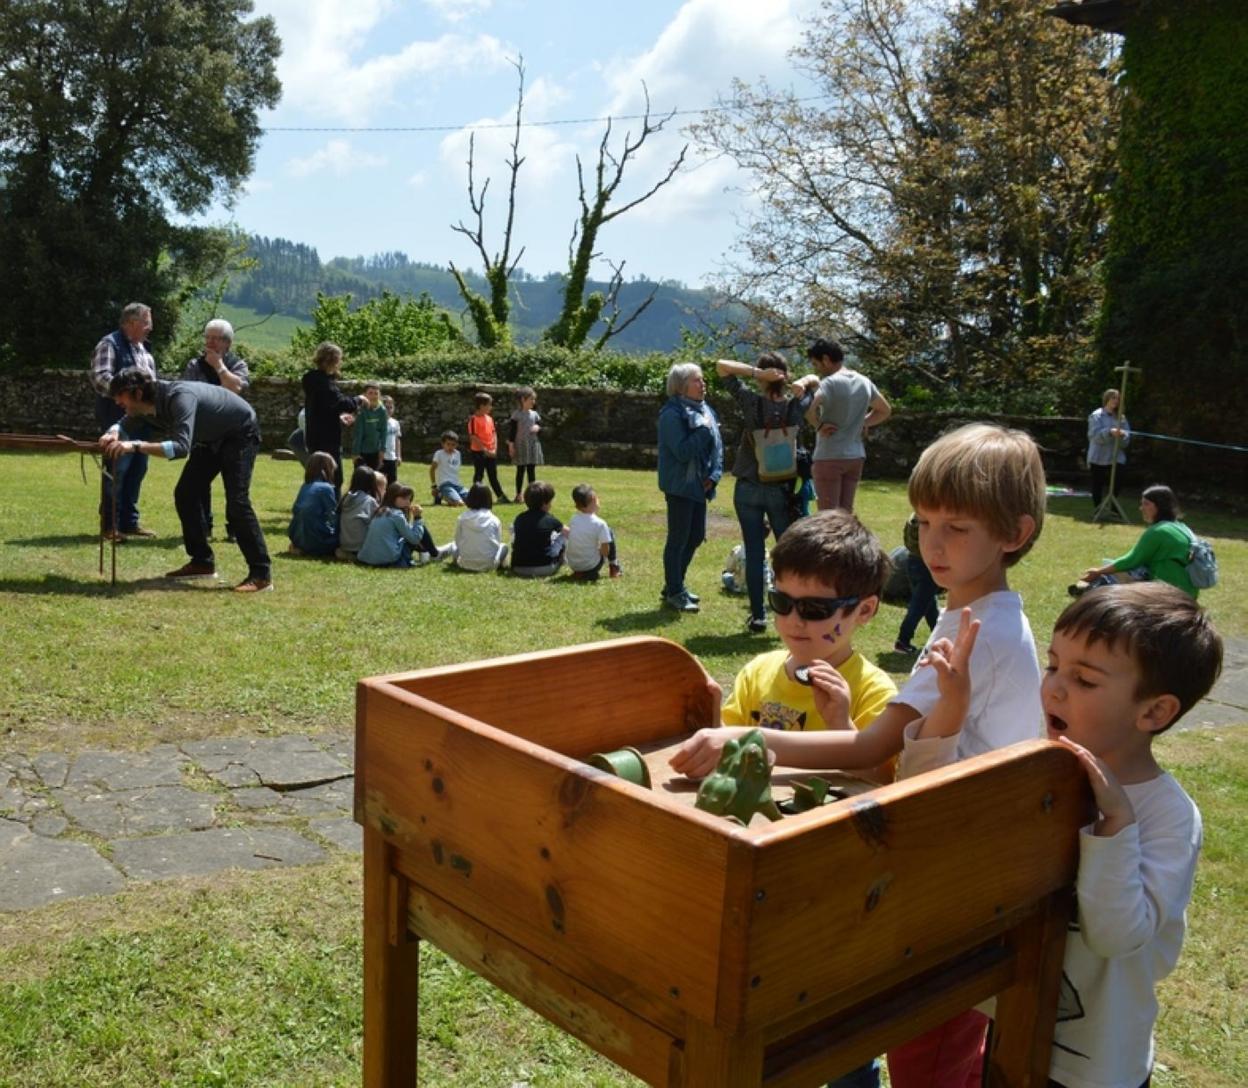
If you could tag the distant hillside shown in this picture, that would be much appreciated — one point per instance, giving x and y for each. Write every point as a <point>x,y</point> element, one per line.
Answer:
<point>289,275</point>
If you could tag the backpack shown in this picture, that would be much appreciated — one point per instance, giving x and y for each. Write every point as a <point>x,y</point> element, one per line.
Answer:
<point>1202,564</point>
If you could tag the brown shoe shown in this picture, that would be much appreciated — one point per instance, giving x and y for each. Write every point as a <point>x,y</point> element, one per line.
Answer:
<point>254,585</point>
<point>138,531</point>
<point>194,570</point>
<point>113,535</point>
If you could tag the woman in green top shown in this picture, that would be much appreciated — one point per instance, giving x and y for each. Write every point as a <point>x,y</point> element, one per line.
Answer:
<point>1160,554</point>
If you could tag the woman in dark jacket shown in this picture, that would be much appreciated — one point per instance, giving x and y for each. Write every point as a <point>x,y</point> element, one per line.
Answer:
<point>326,408</point>
<point>691,461</point>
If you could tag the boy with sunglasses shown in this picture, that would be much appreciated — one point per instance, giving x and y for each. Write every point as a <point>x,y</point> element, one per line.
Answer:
<point>828,572</point>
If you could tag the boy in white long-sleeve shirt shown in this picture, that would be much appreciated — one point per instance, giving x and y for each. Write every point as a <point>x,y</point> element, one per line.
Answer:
<point>1125,663</point>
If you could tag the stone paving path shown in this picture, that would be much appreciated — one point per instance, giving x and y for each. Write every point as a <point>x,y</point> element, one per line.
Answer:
<point>90,823</point>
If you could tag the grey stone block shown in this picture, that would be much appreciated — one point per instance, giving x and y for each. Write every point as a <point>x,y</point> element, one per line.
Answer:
<point>52,767</point>
<point>196,853</point>
<point>161,766</point>
<point>344,834</point>
<point>35,870</point>
<point>138,812</point>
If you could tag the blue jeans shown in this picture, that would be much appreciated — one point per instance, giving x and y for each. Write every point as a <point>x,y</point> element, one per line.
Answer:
<point>125,474</point>
<point>922,599</point>
<point>758,505</point>
<point>686,529</point>
<point>865,1076</point>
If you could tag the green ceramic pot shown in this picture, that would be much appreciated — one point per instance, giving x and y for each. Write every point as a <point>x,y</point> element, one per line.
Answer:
<point>627,763</point>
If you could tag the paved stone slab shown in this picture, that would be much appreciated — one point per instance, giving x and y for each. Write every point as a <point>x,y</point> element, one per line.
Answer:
<point>1208,714</point>
<point>49,824</point>
<point>344,834</point>
<point>35,870</point>
<point>20,768</point>
<point>332,797</point>
<point>280,762</point>
<point>52,767</point>
<point>160,766</point>
<point>138,812</point>
<point>253,797</point>
<point>339,745</point>
<point>196,853</point>
<point>12,796</point>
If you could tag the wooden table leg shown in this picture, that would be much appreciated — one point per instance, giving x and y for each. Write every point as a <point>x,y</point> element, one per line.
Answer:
<point>1022,1036</point>
<point>391,973</point>
<point>715,1060</point>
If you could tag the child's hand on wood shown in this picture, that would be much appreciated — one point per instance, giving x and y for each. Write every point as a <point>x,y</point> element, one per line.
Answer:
<point>1111,799</point>
<point>699,755</point>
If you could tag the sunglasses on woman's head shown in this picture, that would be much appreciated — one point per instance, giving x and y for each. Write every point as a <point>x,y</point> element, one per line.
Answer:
<point>812,609</point>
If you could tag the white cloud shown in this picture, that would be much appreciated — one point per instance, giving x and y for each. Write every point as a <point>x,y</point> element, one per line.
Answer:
<point>322,77</point>
<point>418,179</point>
<point>256,185</point>
<point>454,11</point>
<point>338,157</point>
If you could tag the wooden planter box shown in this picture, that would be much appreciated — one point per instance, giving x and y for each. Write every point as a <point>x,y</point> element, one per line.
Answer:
<point>690,951</point>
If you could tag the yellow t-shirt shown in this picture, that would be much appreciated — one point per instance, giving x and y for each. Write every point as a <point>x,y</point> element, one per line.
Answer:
<point>763,695</point>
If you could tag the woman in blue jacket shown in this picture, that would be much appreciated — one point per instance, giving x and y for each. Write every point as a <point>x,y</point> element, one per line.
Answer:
<point>691,461</point>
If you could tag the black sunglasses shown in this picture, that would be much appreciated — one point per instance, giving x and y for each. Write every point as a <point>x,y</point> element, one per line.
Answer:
<point>812,609</point>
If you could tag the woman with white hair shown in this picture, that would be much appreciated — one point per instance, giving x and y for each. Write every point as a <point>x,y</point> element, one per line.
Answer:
<point>691,462</point>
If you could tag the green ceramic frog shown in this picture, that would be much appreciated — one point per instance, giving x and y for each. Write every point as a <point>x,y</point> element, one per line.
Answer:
<point>740,785</point>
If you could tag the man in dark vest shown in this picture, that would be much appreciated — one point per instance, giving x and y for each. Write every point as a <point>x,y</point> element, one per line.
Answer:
<point>127,347</point>
<point>217,365</point>
<point>201,417</point>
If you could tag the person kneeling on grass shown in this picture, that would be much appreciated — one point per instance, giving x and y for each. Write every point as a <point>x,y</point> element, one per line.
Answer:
<point>396,533</point>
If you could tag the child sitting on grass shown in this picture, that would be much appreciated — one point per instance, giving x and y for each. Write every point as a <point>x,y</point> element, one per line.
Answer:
<point>314,516</point>
<point>537,536</point>
<point>479,534</point>
<point>357,508</point>
<point>1124,665</point>
<point>590,540</point>
<point>396,534</point>
<point>444,472</point>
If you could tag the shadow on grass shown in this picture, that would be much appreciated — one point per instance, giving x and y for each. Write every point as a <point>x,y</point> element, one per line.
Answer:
<point>738,642</point>
<point>99,586</point>
<point>646,620</point>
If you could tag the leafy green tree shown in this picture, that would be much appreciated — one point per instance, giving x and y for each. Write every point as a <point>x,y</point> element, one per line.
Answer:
<point>113,115</point>
<point>944,203</point>
<point>386,327</point>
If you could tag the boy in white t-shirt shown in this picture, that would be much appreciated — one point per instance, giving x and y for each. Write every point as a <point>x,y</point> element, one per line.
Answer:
<point>590,540</point>
<point>444,472</point>
<point>392,453</point>
<point>1125,663</point>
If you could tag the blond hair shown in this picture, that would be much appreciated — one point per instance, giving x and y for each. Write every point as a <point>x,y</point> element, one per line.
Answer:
<point>986,472</point>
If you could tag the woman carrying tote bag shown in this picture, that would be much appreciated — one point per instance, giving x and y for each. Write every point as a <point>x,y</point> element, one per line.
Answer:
<point>766,462</point>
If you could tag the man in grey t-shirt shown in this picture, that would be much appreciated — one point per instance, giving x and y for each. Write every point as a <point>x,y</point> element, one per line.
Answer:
<point>846,405</point>
<point>195,415</point>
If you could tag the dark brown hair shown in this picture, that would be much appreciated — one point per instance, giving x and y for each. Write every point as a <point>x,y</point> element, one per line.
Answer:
<point>1175,647</point>
<point>834,547</point>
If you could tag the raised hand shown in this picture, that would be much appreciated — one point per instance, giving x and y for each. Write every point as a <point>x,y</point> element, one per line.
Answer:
<point>952,662</point>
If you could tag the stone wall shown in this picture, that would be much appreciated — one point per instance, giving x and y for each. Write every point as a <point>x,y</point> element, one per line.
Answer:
<point>610,429</point>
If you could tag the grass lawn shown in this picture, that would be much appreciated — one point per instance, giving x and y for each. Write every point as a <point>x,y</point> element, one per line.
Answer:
<point>254,979</point>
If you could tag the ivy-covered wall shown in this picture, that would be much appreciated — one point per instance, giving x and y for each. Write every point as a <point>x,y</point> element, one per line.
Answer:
<point>1177,272</point>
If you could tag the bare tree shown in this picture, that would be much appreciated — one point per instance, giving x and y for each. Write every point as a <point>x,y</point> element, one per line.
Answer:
<point>490,317</point>
<point>580,313</point>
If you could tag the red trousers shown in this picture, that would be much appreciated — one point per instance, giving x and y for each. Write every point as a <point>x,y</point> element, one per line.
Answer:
<point>949,1056</point>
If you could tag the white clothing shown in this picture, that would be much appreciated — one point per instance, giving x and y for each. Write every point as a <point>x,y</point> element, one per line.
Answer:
<point>1005,677</point>
<point>1133,891</point>
<point>586,535</point>
<point>479,540</point>
<point>394,431</point>
<point>446,467</point>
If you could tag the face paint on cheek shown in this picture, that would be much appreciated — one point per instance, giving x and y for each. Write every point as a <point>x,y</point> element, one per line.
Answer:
<point>836,633</point>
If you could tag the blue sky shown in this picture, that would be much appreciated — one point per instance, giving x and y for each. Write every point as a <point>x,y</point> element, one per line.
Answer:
<point>404,63</point>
